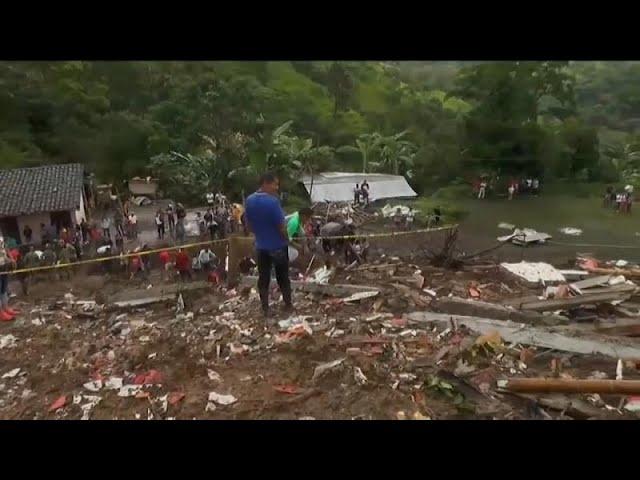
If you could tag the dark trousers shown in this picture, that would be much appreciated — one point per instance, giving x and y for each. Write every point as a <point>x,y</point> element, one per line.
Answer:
<point>4,284</point>
<point>160,231</point>
<point>279,259</point>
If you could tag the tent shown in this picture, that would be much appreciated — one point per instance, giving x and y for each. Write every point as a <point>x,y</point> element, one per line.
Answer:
<point>338,186</point>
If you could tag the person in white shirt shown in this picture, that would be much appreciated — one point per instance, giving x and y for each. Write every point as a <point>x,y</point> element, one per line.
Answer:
<point>133,225</point>
<point>210,199</point>
<point>410,217</point>
<point>483,190</point>
<point>207,259</point>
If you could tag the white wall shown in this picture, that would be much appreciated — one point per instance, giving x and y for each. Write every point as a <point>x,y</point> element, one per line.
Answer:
<point>80,212</point>
<point>34,222</point>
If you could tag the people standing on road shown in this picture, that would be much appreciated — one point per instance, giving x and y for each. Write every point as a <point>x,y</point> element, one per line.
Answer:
<point>106,227</point>
<point>511,190</point>
<point>356,194</point>
<point>133,223</point>
<point>220,218</point>
<point>210,199</point>
<point>160,223</point>
<point>210,223</point>
<point>202,228</point>
<point>171,220</point>
<point>265,219</point>
<point>181,213</point>
<point>28,233</point>
<point>6,264</point>
<point>482,193</point>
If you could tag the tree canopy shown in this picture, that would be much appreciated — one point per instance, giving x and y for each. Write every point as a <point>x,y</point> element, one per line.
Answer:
<point>218,124</point>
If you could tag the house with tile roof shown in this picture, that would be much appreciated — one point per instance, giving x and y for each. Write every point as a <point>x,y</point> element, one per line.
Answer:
<point>53,195</point>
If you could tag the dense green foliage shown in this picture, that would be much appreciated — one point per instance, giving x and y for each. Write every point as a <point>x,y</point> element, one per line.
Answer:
<point>202,125</point>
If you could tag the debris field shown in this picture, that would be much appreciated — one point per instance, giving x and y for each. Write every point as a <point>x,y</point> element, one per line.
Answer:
<point>397,338</point>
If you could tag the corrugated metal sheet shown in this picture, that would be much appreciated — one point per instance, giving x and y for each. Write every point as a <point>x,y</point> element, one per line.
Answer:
<point>338,186</point>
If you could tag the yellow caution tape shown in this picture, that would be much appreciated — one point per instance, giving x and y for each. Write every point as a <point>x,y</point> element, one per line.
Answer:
<point>213,242</point>
<point>113,257</point>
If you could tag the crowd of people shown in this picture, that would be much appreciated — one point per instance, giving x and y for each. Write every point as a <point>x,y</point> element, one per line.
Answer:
<point>621,202</point>
<point>514,187</point>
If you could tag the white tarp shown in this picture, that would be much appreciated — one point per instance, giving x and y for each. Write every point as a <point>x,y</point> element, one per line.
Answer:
<point>535,272</point>
<point>338,186</point>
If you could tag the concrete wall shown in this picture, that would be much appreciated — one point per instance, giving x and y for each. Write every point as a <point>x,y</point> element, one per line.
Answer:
<point>34,222</point>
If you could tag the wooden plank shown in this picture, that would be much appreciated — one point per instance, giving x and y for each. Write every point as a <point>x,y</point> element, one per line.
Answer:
<point>622,288</point>
<point>570,385</point>
<point>621,330</point>
<point>537,336</point>
<point>591,282</point>
<point>563,303</point>
<point>310,287</point>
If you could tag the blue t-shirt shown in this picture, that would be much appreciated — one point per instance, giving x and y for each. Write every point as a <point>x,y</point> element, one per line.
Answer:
<point>265,216</point>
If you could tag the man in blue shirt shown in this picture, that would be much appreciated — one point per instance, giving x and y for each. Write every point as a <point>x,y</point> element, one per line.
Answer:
<point>265,219</point>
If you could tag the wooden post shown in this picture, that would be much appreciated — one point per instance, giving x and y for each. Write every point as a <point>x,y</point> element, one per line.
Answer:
<point>562,385</point>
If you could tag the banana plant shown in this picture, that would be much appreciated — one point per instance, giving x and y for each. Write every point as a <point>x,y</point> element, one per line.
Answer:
<point>367,145</point>
<point>397,154</point>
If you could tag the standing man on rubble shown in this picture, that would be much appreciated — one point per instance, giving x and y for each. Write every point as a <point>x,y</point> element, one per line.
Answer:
<point>265,219</point>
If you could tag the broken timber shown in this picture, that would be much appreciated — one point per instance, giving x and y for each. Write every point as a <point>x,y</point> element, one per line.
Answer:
<point>311,287</point>
<point>563,303</point>
<point>567,385</point>
<point>540,337</point>
<point>138,298</point>
<point>461,306</point>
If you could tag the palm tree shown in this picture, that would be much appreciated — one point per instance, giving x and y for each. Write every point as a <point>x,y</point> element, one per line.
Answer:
<point>366,145</point>
<point>396,152</point>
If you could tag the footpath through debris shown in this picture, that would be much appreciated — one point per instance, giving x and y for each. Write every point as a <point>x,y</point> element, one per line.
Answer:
<point>396,338</point>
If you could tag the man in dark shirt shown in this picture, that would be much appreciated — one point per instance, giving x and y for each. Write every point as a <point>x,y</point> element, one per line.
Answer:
<point>28,233</point>
<point>265,219</point>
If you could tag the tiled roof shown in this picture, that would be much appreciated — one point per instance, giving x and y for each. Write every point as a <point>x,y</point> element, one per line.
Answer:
<point>52,188</point>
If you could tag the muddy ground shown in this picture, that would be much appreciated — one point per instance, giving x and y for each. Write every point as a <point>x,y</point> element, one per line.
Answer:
<point>385,367</point>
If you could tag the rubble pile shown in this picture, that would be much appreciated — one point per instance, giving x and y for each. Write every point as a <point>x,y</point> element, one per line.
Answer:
<point>385,340</point>
<point>344,212</point>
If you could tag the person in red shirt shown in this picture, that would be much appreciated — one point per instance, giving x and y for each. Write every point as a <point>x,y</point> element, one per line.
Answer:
<point>165,262</point>
<point>136,264</point>
<point>183,264</point>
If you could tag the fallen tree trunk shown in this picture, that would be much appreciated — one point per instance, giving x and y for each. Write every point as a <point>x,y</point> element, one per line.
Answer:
<point>521,333</point>
<point>565,385</point>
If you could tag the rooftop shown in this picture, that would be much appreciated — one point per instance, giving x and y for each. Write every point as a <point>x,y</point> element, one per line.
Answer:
<point>51,188</point>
